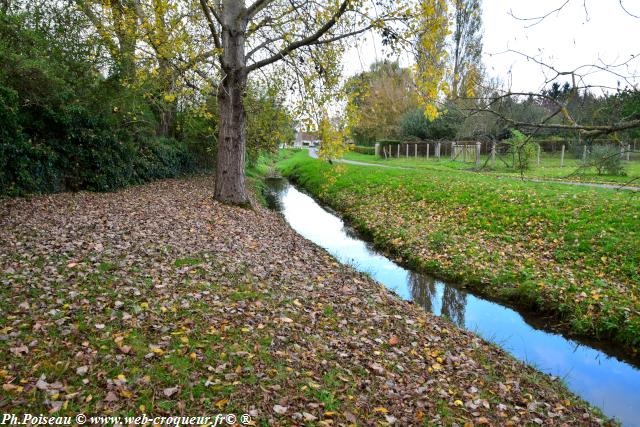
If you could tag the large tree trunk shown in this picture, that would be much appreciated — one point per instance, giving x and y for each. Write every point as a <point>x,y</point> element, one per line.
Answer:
<point>230,185</point>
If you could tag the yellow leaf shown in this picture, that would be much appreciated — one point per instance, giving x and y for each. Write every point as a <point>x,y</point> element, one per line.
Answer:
<point>380,409</point>
<point>222,403</point>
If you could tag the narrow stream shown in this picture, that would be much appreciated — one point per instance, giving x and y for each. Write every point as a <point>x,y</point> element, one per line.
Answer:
<point>601,379</point>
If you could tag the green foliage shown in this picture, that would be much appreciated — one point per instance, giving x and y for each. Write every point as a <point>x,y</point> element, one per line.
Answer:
<point>414,124</point>
<point>606,160</point>
<point>268,122</point>
<point>363,150</point>
<point>65,127</point>
<point>522,151</point>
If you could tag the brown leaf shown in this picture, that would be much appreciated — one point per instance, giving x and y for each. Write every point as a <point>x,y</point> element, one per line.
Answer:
<point>170,391</point>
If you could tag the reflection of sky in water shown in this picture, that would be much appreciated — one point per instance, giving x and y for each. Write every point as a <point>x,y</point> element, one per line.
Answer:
<point>612,385</point>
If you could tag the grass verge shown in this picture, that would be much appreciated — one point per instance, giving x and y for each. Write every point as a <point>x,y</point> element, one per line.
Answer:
<point>549,168</point>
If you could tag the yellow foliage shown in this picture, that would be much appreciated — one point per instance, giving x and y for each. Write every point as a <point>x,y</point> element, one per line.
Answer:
<point>333,143</point>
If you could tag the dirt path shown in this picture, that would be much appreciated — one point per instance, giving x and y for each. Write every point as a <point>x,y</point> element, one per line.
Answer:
<point>158,300</point>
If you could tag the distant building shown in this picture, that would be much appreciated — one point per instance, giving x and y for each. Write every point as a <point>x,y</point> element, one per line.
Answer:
<point>306,139</point>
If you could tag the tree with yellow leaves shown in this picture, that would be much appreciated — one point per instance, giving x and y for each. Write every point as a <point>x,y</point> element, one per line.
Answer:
<point>332,138</point>
<point>309,37</point>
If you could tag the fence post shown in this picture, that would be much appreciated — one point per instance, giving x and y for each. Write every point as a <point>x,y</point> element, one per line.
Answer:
<point>478,149</point>
<point>427,151</point>
<point>415,152</point>
<point>562,157</point>
<point>398,155</point>
<point>377,149</point>
<point>539,155</point>
<point>621,151</point>
<point>453,149</point>
<point>584,153</point>
<point>438,150</point>
<point>493,153</point>
<point>407,150</point>
<point>628,152</point>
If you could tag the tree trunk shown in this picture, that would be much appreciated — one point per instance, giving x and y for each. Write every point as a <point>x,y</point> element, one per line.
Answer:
<point>230,186</point>
<point>165,111</point>
<point>230,179</point>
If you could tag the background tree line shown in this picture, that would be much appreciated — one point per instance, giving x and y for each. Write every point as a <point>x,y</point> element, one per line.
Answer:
<point>383,102</point>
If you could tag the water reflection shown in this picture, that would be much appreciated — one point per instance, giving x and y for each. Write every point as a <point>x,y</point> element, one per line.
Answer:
<point>604,381</point>
<point>440,298</point>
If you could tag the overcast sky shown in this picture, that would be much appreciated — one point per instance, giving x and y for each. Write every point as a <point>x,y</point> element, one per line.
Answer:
<point>583,32</point>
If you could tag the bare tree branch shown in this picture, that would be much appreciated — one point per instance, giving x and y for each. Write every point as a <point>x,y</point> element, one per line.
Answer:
<point>208,11</point>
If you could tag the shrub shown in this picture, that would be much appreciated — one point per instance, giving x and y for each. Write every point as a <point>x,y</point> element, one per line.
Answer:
<point>522,150</point>
<point>363,150</point>
<point>606,160</point>
<point>65,127</point>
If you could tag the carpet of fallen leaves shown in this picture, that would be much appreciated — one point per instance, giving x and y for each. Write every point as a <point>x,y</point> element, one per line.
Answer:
<point>158,300</point>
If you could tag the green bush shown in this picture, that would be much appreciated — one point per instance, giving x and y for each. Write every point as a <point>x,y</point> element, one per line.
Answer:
<point>606,160</point>
<point>522,151</point>
<point>65,127</point>
<point>363,150</point>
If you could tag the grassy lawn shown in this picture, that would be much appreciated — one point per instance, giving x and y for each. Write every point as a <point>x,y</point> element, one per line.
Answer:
<point>549,168</point>
<point>573,251</point>
<point>157,300</point>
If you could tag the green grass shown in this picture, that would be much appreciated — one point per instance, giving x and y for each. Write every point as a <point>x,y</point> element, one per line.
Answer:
<point>549,168</point>
<point>570,250</point>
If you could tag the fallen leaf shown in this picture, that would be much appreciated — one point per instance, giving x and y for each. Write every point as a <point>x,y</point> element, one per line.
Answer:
<point>280,409</point>
<point>170,391</point>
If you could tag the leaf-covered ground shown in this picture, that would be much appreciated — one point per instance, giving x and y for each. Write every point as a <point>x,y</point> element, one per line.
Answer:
<point>158,300</point>
<point>573,251</point>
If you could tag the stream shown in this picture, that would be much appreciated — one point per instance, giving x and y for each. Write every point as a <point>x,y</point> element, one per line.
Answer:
<point>597,376</point>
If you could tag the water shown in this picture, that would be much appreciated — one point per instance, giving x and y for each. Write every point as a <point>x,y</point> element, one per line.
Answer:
<point>604,381</point>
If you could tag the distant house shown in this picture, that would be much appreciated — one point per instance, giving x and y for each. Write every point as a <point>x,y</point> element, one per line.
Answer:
<point>306,139</point>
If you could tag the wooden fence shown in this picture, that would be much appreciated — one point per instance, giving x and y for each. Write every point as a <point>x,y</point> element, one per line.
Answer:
<point>472,151</point>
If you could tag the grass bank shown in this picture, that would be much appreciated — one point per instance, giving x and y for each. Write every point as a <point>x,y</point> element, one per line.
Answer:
<point>156,299</point>
<point>549,168</point>
<point>570,251</point>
